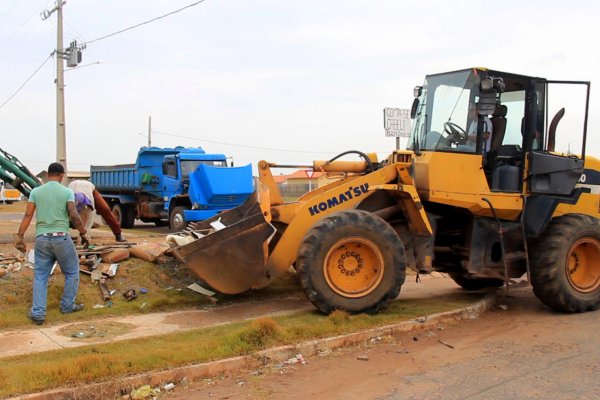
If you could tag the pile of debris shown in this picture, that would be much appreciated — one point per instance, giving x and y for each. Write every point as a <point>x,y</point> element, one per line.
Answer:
<point>11,264</point>
<point>101,262</point>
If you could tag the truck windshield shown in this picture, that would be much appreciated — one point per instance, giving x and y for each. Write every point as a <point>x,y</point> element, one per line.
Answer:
<point>189,166</point>
<point>444,100</point>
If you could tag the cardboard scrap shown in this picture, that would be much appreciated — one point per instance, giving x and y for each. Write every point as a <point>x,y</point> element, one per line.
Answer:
<point>112,270</point>
<point>199,289</point>
<point>109,270</point>
<point>114,256</point>
<point>178,240</point>
<point>148,251</point>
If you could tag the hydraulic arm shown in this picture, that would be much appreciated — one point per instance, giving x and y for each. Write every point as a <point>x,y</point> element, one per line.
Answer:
<point>12,171</point>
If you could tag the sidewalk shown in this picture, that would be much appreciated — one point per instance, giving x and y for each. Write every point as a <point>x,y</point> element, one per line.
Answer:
<point>34,339</point>
<point>31,341</point>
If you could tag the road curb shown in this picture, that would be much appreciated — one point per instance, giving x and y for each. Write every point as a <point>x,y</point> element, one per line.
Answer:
<point>191,373</point>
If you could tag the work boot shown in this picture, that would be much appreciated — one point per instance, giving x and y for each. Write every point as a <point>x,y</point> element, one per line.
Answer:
<point>119,237</point>
<point>76,307</point>
<point>35,320</point>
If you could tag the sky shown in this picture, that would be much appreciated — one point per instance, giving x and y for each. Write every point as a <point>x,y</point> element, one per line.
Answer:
<point>284,81</point>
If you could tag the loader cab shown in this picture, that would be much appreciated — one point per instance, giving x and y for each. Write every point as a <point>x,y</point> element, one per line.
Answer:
<point>483,128</point>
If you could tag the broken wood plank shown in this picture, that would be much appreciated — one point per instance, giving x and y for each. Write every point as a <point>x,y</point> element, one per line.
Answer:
<point>104,290</point>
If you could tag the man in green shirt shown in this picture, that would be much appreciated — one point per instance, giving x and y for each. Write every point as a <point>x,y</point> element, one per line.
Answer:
<point>54,206</point>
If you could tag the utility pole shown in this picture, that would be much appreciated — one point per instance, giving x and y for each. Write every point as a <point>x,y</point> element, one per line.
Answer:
<point>61,140</point>
<point>149,131</point>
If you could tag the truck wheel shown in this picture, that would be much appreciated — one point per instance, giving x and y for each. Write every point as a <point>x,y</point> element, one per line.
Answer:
<point>470,283</point>
<point>128,217</point>
<point>565,271</point>
<point>117,211</point>
<point>352,261</point>
<point>176,219</point>
<point>123,215</point>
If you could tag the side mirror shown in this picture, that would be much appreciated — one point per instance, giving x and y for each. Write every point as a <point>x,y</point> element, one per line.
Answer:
<point>413,109</point>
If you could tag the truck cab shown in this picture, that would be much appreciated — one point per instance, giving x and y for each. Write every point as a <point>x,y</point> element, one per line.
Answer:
<point>176,169</point>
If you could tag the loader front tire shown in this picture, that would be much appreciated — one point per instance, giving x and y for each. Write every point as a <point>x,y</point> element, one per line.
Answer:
<point>565,264</point>
<point>352,261</point>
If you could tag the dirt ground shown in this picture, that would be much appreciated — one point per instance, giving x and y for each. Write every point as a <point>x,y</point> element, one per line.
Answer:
<point>525,352</point>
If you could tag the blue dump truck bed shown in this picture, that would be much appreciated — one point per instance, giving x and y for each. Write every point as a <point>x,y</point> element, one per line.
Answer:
<point>116,177</point>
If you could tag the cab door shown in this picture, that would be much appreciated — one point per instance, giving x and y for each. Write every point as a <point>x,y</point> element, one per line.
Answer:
<point>171,177</point>
<point>557,133</point>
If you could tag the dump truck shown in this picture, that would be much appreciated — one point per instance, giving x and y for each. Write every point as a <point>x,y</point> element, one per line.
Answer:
<point>172,185</point>
<point>484,207</point>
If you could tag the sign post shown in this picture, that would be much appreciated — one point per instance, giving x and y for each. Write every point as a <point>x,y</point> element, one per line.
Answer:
<point>396,122</point>
<point>309,174</point>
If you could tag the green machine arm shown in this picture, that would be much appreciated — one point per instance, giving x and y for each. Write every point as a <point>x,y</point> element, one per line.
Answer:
<point>12,171</point>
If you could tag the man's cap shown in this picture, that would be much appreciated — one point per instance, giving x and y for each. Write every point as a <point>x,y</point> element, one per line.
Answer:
<point>56,168</point>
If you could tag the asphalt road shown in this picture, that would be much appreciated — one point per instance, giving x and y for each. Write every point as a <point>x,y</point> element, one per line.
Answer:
<point>523,352</point>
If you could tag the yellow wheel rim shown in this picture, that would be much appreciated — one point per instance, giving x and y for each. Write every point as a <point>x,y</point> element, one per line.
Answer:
<point>583,265</point>
<point>353,267</point>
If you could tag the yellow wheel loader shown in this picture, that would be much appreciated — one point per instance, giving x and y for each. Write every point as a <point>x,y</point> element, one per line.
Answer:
<point>495,184</point>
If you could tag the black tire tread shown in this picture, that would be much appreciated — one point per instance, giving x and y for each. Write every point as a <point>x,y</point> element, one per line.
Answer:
<point>327,227</point>
<point>548,276</point>
<point>128,216</point>
<point>173,212</point>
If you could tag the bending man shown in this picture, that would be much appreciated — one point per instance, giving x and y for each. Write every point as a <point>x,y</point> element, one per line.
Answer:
<point>93,200</point>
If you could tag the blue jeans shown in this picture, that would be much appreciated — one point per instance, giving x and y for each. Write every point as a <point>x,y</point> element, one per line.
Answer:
<point>49,249</point>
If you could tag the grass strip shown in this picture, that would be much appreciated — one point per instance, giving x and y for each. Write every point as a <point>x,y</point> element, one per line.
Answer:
<point>100,362</point>
<point>165,286</point>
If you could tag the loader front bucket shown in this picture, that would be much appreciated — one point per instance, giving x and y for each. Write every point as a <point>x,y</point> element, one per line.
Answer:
<point>231,260</point>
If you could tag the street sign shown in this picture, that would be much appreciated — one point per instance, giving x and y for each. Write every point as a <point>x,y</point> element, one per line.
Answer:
<point>309,173</point>
<point>396,122</point>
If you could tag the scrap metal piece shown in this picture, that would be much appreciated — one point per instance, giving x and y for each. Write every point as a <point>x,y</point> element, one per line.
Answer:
<point>130,295</point>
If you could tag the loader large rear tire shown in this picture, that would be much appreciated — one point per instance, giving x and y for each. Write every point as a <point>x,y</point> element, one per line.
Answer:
<point>352,261</point>
<point>565,264</point>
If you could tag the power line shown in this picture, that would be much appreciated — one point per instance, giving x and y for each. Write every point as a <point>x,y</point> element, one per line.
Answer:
<point>253,147</point>
<point>6,46</point>
<point>8,11</point>
<point>146,22</point>
<point>26,81</point>
<point>240,145</point>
